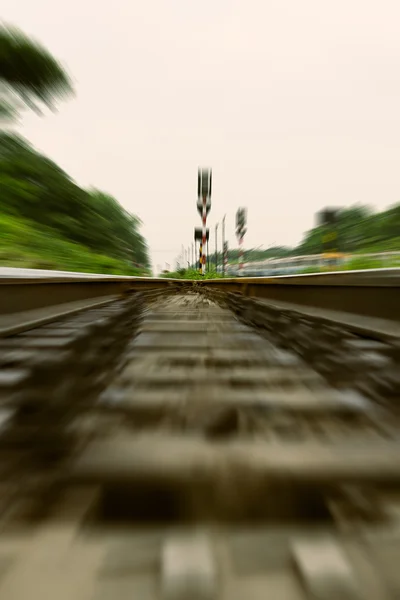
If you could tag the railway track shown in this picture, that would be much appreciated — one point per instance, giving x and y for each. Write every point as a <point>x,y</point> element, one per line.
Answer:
<point>195,442</point>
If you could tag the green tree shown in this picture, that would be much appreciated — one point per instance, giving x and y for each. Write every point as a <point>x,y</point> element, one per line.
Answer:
<point>38,199</point>
<point>28,72</point>
<point>359,230</point>
<point>35,189</point>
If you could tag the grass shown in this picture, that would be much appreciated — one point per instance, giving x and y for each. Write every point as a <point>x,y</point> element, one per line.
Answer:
<point>192,274</point>
<point>358,263</point>
<point>22,244</point>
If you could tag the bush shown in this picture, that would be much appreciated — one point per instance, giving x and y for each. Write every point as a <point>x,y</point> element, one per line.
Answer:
<point>24,245</point>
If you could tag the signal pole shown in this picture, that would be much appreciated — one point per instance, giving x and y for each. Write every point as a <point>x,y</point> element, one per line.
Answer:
<point>241,220</point>
<point>216,248</point>
<point>223,246</point>
<point>204,181</point>
<point>198,236</point>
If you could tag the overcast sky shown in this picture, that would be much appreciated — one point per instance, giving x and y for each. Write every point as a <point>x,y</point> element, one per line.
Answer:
<point>295,104</point>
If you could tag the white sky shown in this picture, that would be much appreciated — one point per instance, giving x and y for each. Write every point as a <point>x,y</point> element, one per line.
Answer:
<point>295,104</point>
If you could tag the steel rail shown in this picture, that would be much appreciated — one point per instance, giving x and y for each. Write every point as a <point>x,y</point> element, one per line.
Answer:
<point>371,294</point>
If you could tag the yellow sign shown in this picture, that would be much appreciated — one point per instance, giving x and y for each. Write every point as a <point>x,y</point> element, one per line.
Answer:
<point>331,255</point>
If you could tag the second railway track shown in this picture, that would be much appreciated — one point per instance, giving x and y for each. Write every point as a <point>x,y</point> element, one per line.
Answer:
<point>209,445</point>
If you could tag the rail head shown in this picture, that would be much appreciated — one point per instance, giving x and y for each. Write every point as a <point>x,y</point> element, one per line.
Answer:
<point>373,293</point>
<point>15,276</point>
<point>368,277</point>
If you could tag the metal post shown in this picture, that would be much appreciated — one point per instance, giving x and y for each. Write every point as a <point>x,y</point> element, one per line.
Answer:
<point>216,248</point>
<point>240,232</point>
<point>203,240</point>
<point>223,246</point>
<point>198,236</point>
<point>225,257</point>
<point>201,257</point>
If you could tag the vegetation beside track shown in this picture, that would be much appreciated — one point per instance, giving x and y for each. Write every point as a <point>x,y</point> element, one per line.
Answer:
<point>192,274</point>
<point>360,231</point>
<point>358,263</point>
<point>23,244</point>
<point>47,220</point>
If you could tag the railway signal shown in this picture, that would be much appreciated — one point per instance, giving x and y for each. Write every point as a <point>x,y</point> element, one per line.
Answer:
<point>198,233</point>
<point>241,222</point>
<point>198,237</point>
<point>204,186</point>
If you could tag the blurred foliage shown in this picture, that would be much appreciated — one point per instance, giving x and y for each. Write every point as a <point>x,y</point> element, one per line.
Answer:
<point>366,262</point>
<point>28,72</point>
<point>252,255</point>
<point>44,199</point>
<point>256,254</point>
<point>191,274</point>
<point>47,221</point>
<point>23,244</point>
<point>359,230</point>
<point>358,263</point>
